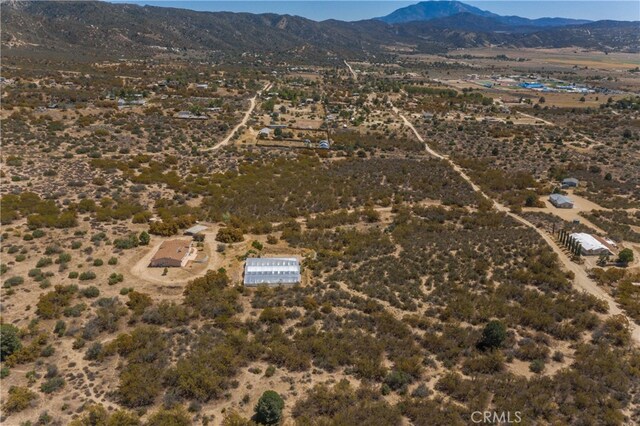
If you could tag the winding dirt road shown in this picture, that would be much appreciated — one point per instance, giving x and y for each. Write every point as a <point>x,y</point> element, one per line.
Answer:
<point>582,281</point>
<point>247,114</point>
<point>353,73</point>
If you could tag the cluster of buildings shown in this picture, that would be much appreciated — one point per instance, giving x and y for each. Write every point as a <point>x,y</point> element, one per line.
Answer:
<point>541,87</point>
<point>271,271</point>
<point>562,201</point>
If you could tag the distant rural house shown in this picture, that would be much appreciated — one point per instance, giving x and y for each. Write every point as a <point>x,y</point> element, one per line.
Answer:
<point>271,271</point>
<point>570,183</point>
<point>172,254</point>
<point>202,85</point>
<point>195,229</point>
<point>427,116</point>
<point>187,115</point>
<point>278,126</point>
<point>561,201</point>
<point>324,144</point>
<point>264,132</point>
<point>592,245</point>
<point>125,103</point>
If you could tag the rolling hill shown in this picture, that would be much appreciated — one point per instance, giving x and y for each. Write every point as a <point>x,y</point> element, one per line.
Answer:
<point>89,30</point>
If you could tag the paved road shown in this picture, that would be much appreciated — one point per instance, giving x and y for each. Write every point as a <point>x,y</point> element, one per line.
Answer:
<point>582,280</point>
<point>247,114</point>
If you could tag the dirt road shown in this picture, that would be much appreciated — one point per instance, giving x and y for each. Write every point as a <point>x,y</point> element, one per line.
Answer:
<point>353,73</point>
<point>581,280</point>
<point>247,114</point>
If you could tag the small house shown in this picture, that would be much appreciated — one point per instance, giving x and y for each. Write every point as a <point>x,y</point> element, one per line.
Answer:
<point>560,201</point>
<point>570,183</point>
<point>172,254</point>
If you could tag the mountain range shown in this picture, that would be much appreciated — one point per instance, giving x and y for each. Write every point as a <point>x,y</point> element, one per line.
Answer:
<point>433,10</point>
<point>91,29</point>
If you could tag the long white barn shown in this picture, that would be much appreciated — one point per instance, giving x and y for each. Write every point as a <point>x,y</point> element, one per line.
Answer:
<point>271,271</point>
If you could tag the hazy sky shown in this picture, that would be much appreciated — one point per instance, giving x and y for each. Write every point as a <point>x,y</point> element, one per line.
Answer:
<point>350,10</point>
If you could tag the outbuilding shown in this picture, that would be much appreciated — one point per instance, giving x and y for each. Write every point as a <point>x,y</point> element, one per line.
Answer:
<point>561,201</point>
<point>272,271</point>
<point>570,182</point>
<point>172,254</point>
<point>195,229</point>
<point>592,245</point>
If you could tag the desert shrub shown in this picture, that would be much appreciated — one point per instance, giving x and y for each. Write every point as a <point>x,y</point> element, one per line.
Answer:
<point>47,351</point>
<point>94,352</point>
<point>145,353</point>
<point>60,328</point>
<point>176,416</point>
<point>52,304</point>
<point>97,415</point>
<point>230,235</point>
<point>90,292</point>
<point>138,302</point>
<point>13,281</point>
<point>398,380</point>
<point>18,399</point>
<point>165,229</point>
<point>53,384</point>
<point>115,278</point>
<point>45,261</point>
<point>211,296</point>
<point>536,366</point>
<point>166,313</point>
<point>130,242</point>
<point>87,275</point>
<point>74,311</point>
<point>341,404</point>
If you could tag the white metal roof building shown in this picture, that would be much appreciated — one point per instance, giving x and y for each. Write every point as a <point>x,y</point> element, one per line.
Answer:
<point>271,271</point>
<point>591,245</point>
<point>195,229</point>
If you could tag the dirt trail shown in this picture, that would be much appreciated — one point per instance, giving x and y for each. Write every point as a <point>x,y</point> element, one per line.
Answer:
<point>581,280</point>
<point>247,114</point>
<point>353,73</point>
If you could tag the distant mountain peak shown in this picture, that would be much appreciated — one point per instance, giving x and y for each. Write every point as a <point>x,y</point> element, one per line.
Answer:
<point>434,9</point>
<point>437,9</point>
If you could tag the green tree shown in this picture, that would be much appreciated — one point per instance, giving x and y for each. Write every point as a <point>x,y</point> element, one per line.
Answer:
<point>625,256</point>
<point>144,238</point>
<point>269,408</point>
<point>9,340</point>
<point>493,335</point>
